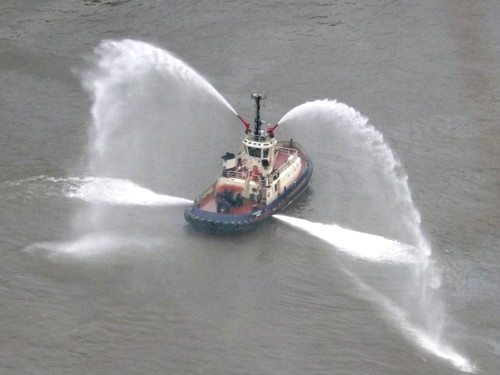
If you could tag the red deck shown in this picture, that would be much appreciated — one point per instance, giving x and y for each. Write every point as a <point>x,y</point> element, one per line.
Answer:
<point>279,160</point>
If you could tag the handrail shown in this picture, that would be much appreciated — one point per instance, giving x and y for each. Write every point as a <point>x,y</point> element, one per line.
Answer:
<point>287,150</point>
<point>241,175</point>
<point>245,175</point>
<point>205,194</point>
<point>284,166</point>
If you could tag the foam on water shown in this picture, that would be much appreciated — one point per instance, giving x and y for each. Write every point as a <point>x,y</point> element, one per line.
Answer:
<point>93,244</point>
<point>357,244</point>
<point>121,192</point>
<point>113,191</point>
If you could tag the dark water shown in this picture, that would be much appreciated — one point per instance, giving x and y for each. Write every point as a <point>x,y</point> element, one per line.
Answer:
<point>101,275</point>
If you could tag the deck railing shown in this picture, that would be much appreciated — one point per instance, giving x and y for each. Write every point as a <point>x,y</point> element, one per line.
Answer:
<point>287,150</point>
<point>244,174</point>
<point>287,163</point>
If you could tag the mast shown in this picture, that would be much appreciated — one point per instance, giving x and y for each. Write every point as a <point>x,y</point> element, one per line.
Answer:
<point>258,121</point>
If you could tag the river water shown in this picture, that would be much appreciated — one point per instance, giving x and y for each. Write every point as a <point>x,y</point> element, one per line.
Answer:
<point>113,117</point>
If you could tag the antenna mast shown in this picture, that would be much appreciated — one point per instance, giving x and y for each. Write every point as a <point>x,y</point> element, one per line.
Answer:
<point>258,121</point>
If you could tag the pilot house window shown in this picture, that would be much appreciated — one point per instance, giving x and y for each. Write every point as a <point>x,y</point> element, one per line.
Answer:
<point>254,151</point>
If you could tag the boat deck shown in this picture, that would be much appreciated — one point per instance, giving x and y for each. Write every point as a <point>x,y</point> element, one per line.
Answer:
<point>209,202</point>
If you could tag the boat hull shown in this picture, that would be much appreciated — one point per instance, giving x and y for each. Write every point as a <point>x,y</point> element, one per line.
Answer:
<point>223,223</point>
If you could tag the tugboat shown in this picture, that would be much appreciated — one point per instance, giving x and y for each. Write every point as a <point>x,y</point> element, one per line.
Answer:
<point>255,184</point>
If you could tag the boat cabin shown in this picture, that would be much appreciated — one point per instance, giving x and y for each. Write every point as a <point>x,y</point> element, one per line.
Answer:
<point>262,171</point>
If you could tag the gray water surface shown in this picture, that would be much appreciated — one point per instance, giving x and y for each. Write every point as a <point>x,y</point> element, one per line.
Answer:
<point>99,288</point>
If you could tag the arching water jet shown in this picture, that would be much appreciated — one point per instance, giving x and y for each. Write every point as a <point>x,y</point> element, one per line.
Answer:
<point>148,107</point>
<point>367,189</point>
